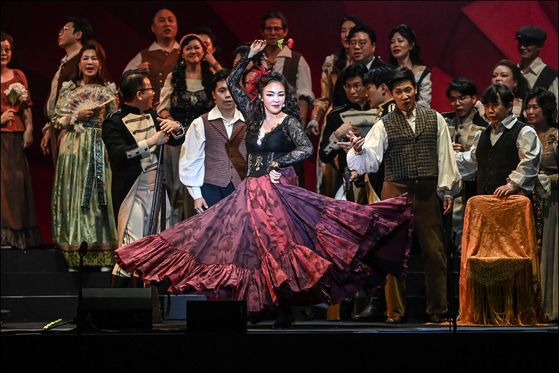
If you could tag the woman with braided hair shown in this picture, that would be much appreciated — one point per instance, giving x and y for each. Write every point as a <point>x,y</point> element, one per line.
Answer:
<point>272,243</point>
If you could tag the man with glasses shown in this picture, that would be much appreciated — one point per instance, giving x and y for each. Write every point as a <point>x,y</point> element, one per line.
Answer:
<point>132,135</point>
<point>362,41</point>
<point>291,64</point>
<point>72,37</point>
<point>355,116</point>
<point>463,124</point>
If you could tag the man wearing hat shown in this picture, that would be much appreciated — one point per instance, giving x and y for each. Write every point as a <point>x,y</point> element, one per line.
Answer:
<point>530,41</point>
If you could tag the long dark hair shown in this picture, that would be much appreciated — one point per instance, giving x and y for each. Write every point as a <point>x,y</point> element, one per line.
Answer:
<point>409,35</point>
<point>178,79</point>
<point>340,60</point>
<point>522,85</point>
<point>257,115</point>
<point>103,75</point>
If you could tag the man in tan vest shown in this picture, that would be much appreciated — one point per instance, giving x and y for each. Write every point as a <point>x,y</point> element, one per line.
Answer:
<point>161,56</point>
<point>213,156</point>
<point>72,37</point>
<point>415,146</point>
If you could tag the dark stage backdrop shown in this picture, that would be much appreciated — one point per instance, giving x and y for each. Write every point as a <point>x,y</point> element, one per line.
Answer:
<point>458,38</point>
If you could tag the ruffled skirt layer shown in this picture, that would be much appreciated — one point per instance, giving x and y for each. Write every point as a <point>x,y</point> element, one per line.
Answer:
<point>274,243</point>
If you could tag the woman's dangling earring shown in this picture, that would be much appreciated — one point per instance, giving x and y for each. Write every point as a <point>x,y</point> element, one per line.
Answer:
<point>99,73</point>
<point>515,88</point>
<point>182,63</point>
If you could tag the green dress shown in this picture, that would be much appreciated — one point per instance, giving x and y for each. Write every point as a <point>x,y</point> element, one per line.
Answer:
<point>82,208</point>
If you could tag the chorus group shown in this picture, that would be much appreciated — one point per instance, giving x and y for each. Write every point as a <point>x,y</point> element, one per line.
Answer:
<point>187,172</point>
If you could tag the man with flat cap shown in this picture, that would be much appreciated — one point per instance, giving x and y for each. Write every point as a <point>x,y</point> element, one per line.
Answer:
<point>530,41</point>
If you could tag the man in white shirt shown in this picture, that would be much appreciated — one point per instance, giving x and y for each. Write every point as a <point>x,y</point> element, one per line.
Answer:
<point>415,146</point>
<point>292,65</point>
<point>530,41</point>
<point>161,56</point>
<point>72,37</point>
<point>213,157</point>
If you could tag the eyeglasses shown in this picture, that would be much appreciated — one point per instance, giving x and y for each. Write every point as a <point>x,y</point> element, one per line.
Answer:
<point>459,99</point>
<point>146,89</point>
<point>362,43</point>
<point>270,29</point>
<point>7,50</point>
<point>64,29</point>
<point>356,86</point>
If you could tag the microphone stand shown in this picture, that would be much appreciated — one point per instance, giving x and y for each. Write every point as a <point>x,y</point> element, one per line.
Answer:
<point>82,251</point>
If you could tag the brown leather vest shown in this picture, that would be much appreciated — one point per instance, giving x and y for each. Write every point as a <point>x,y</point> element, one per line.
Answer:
<point>223,167</point>
<point>161,64</point>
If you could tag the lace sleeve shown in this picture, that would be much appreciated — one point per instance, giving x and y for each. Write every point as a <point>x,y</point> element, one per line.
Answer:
<point>233,83</point>
<point>303,146</point>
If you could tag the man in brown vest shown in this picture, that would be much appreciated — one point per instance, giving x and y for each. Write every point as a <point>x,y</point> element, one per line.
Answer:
<point>291,64</point>
<point>415,146</point>
<point>161,56</point>
<point>72,37</point>
<point>213,157</point>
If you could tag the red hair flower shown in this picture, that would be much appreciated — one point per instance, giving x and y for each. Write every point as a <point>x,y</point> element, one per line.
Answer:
<point>259,72</point>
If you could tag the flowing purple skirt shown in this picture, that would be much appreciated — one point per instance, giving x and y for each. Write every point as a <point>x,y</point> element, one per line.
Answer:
<point>272,243</point>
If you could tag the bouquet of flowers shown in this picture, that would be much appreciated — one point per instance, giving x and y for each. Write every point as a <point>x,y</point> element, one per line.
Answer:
<point>16,92</point>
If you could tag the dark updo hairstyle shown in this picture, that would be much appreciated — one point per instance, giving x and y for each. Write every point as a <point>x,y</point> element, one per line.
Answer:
<point>258,114</point>
<point>178,78</point>
<point>463,86</point>
<point>546,101</point>
<point>207,31</point>
<point>131,82</point>
<point>522,85</point>
<point>495,91</point>
<point>409,35</point>
<point>103,75</point>
<point>9,39</point>
<point>340,61</point>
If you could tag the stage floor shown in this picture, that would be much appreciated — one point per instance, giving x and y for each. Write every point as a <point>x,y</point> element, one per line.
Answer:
<point>308,346</point>
<point>299,327</point>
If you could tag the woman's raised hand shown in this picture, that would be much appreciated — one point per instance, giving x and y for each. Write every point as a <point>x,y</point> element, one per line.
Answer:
<point>256,47</point>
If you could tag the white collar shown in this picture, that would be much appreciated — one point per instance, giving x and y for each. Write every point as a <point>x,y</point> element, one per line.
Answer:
<point>156,47</point>
<point>215,113</point>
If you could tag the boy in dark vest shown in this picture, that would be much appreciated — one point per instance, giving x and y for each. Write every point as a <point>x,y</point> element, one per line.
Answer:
<point>213,157</point>
<point>506,155</point>
<point>415,146</point>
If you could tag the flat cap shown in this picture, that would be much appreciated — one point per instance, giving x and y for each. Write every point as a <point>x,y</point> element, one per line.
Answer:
<point>531,32</point>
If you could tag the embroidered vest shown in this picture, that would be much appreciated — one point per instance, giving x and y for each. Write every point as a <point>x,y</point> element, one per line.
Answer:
<point>411,155</point>
<point>496,162</point>
<point>225,158</point>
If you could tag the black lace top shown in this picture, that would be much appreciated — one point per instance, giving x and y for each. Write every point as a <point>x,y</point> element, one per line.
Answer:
<point>286,143</point>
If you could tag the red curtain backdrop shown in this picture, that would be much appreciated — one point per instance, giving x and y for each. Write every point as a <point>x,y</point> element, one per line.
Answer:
<point>457,38</point>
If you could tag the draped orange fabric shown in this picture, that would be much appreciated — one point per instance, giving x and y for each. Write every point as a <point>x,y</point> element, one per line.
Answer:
<point>499,271</point>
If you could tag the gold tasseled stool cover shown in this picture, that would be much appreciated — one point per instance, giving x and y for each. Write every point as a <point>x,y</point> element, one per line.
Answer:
<point>499,268</point>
